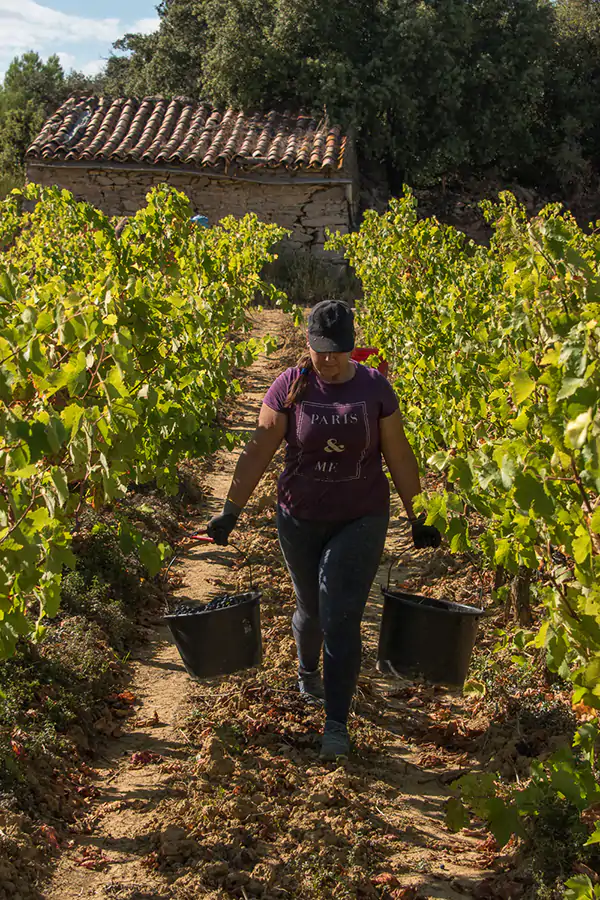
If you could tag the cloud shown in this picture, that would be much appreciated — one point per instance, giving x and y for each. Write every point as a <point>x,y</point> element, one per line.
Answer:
<point>146,26</point>
<point>27,25</point>
<point>93,67</point>
<point>67,60</point>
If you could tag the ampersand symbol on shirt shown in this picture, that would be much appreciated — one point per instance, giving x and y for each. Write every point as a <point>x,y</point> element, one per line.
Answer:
<point>332,446</point>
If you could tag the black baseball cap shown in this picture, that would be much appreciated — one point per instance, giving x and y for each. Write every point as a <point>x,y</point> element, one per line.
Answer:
<point>331,327</point>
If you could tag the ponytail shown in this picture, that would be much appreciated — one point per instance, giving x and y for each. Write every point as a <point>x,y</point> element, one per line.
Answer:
<point>298,386</point>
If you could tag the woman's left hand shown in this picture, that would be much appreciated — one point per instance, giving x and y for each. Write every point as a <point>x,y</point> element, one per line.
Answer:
<point>425,535</point>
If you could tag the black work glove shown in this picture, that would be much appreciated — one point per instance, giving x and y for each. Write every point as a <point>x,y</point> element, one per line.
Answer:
<point>425,535</point>
<point>220,527</point>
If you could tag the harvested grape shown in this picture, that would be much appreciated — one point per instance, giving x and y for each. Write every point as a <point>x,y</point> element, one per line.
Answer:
<point>222,602</point>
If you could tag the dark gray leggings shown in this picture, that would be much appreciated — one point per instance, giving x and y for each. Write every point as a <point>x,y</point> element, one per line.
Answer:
<point>332,565</point>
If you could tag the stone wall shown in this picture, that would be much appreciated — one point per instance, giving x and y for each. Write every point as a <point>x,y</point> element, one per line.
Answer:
<point>307,210</point>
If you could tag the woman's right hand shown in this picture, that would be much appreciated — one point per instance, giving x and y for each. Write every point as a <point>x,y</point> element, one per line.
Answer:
<point>220,527</point>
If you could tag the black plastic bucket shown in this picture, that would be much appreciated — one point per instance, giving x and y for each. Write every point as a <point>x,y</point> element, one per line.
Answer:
<point>221,641</point>
<point>428,637</point>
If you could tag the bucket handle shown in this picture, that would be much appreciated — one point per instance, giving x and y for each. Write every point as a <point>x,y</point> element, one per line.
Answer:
<point>389,576</point>
<point>485,613</point>
<point>203,538</point>
<point>390,567</point>
<point>245,559</point>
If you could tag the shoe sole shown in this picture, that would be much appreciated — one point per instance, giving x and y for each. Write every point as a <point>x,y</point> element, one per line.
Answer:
<point>312,700</point>
<point>330,757</point>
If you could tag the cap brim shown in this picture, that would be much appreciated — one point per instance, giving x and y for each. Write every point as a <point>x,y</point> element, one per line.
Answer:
<point>326,345</point>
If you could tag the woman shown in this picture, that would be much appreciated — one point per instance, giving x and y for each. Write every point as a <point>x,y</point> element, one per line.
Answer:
<point>338,419</point>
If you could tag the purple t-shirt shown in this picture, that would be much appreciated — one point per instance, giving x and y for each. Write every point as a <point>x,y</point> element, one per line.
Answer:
<point>333,468</point>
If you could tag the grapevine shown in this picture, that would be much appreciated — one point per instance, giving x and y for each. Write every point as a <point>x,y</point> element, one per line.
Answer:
<point>115,353</point>
<point>495,355</point>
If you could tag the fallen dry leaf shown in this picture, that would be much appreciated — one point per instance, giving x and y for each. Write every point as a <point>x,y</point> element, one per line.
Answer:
<point>591,815</point>
<point>584,713</point>
<point>126,697</point>
<point>405,893</point>
<point>152,722</point>
<point>386,878</point>
<point>144,758</point>
<point>49,834</point>
<point>92,858</point>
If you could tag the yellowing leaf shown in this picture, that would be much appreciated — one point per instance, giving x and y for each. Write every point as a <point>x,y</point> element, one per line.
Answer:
<point>551,357</point>
<point>523,386</point>
<point>577,429</point>
<point>582,546</point>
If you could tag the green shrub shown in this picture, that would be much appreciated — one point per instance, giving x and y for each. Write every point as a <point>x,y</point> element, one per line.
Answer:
<point>306,279</point>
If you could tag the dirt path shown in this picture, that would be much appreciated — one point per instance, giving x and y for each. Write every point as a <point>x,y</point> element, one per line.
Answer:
<point>235,803</point>
<point>121,829</point>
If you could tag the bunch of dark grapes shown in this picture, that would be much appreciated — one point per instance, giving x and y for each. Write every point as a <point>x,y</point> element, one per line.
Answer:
<point>222,602</point>
<point>187,609</point>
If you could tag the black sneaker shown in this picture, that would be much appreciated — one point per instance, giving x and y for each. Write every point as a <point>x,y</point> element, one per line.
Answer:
<point>310,686</point>
<point>335,743</point>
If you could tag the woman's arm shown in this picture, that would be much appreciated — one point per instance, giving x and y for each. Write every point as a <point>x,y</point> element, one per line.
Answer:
<point>254,459</point>
<point>257,454</point>
<point>400,460</point>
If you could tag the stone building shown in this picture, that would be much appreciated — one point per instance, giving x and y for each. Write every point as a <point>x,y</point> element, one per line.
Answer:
<point>290,169</point>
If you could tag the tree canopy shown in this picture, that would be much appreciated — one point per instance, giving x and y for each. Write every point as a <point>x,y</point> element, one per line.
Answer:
<point>433,88</point>
<point>31,91</point>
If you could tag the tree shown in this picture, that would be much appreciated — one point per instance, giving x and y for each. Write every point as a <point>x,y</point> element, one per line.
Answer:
<point>168,61</point>
<point>30,80</point>
<point>31,91</point>
<point>297,53</point>
<point>433,88</point>
<point>570,127</point>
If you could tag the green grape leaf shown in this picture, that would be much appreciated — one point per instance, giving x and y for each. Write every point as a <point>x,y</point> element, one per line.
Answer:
<point>569,386</point>
<point>457,534</point>
<point>150,557</point>
<point>60,557</point>
<point>594,837</point>
<point>530,494</point>
<point>582,546</point>
<point>502,819</point>
<point>7,291</point>
<point>59,480</point>
<point>579,887</point>
<point>457,815</point>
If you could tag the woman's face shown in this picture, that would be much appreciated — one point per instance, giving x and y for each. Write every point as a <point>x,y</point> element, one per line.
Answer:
<point>331,366</point>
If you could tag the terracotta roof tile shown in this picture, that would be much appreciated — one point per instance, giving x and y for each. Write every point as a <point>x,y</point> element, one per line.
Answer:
<point>189,138</point>
<point>180,132</point>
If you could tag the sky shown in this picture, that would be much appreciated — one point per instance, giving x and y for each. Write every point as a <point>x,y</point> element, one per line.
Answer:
<point>81,33</point>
